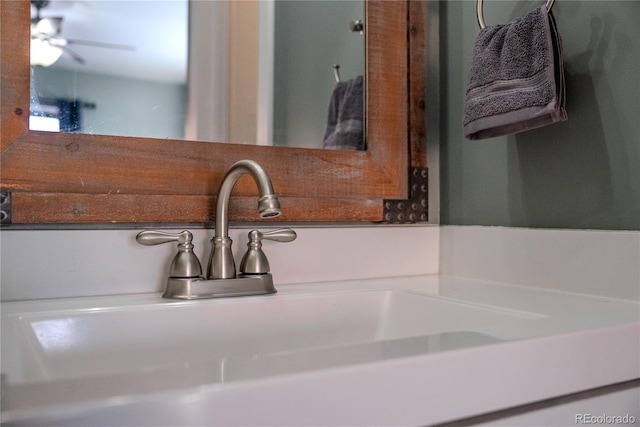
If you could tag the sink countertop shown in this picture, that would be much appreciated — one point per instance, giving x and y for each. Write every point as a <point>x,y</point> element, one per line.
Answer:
<point>550,344</point>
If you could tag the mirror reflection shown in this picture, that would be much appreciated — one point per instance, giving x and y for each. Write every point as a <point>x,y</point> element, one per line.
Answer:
<point>270,72</point>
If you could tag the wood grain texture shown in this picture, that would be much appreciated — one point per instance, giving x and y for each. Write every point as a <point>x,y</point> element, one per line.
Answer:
<point>80,178</point>
<point>30,208</point>
<point>417,84</point>
<point>14,90</point>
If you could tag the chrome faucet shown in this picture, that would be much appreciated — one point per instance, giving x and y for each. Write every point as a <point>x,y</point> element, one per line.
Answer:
<point>185,280</point>
<point>221,264</point>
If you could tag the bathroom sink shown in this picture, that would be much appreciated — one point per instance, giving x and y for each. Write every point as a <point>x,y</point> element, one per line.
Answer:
<point>151,344</point>
<point>142,359</point>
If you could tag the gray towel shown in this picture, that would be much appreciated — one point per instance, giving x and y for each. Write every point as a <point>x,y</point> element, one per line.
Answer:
<point>345,129</point>
<point>516,81</point>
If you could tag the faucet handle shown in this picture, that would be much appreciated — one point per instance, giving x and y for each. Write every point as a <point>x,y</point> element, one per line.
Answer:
<point>254,260</point>
<point>185,264</point>
<point>153,237</point>
<point>280,235</point>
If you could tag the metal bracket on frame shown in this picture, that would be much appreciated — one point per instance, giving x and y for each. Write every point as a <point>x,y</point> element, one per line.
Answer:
<point>5,208</point>
<point>414,209</point>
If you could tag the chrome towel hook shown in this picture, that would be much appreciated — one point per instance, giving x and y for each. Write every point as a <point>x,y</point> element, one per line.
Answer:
<point>336,72</point>
<point>481,23</point>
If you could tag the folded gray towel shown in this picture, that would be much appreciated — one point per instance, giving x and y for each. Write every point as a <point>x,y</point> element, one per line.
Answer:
<point>516,81</point>
<point>345,129</point>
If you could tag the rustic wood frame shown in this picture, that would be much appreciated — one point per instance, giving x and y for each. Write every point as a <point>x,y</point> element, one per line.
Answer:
<point>66,178</point>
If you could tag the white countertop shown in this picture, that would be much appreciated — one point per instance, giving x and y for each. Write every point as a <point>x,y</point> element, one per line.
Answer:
<point>536,344</point>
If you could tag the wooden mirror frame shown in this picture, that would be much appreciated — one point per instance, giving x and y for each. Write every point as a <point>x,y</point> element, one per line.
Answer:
<point>67,178</point>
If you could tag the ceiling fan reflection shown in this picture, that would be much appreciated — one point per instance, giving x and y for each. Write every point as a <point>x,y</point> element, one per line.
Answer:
<point>46,43</point>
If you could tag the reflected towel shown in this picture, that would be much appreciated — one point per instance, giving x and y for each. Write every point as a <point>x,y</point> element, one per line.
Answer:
<point>516,81</point>
<point>345,129</point>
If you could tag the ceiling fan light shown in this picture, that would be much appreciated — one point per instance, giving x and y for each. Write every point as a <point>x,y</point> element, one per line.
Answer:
<point>43,53</point>
<point>49,26</point>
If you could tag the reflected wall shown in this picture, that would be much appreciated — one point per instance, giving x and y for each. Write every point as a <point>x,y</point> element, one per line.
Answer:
<point>257,72</point>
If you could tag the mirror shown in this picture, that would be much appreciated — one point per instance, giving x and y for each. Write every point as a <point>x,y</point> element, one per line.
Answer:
<point>69,178</point>
<point>258,71</point>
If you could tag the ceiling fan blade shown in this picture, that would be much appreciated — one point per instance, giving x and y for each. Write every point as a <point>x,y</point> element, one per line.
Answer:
<point>72,54</point>
<point>100,44</point>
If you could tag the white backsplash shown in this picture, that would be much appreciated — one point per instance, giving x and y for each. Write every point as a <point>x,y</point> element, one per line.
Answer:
<point>596,262</point>
<point>63,263</point>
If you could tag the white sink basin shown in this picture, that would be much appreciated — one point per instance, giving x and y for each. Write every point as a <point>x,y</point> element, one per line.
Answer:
<point>87,360</point>
<point>151,344</point>
<point>72,343</point>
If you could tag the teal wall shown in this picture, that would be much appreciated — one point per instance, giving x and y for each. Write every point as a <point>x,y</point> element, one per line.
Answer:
<point>310,37</point>
<point>124,106</point>
<point>582,173</point>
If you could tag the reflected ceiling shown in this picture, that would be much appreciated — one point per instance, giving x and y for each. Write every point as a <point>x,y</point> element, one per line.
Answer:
<point>157,30</point>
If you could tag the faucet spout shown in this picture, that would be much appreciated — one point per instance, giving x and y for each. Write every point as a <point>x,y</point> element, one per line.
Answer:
<point>221,263</point>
